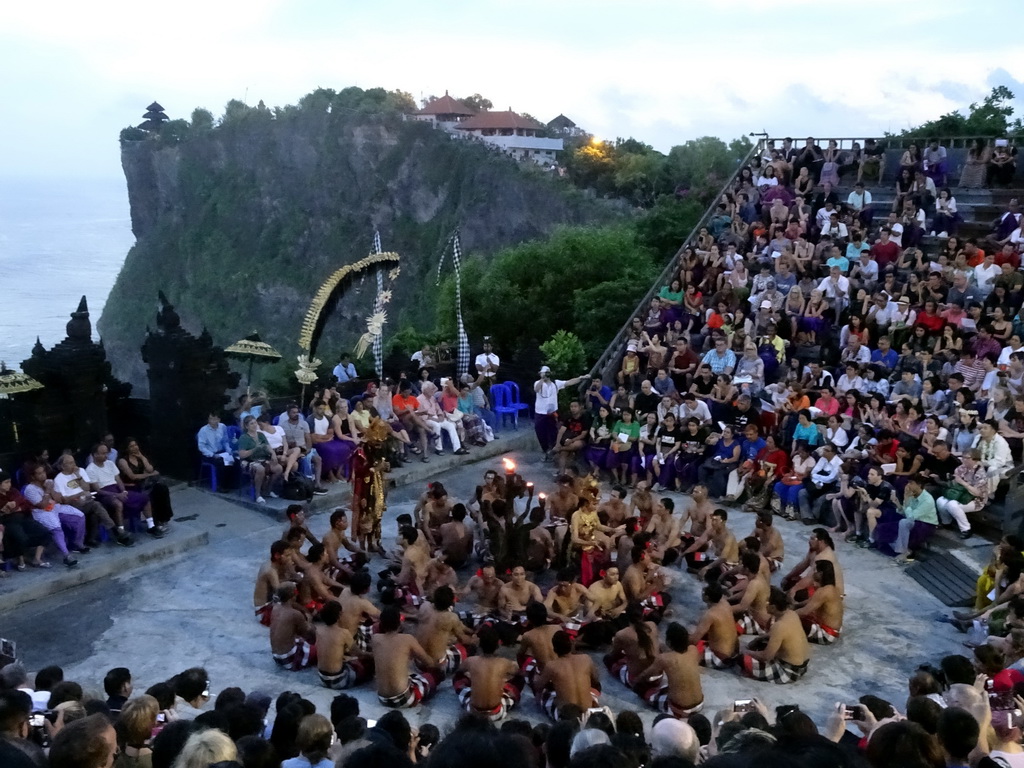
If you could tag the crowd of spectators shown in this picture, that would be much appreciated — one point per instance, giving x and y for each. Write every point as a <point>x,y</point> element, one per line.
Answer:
<point>63,507</point>
<point>823,355</point>
<point>958,712</point>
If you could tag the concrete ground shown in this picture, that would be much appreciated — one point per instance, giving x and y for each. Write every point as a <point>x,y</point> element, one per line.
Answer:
<point>195,609</point>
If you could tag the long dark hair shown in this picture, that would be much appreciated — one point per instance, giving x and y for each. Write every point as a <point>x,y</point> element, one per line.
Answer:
<point>635,615</point>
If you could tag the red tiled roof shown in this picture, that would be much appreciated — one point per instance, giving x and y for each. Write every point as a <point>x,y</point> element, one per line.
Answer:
<point>499,120</point>
<point>446,105</point>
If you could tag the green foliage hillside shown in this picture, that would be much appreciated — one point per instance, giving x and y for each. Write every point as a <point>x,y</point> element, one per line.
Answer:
<point>240,220</point>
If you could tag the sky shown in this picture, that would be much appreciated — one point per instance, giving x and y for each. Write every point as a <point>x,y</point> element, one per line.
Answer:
<point>662,71</point>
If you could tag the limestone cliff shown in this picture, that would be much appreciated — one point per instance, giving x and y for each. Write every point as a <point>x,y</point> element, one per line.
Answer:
<point>239,224</point>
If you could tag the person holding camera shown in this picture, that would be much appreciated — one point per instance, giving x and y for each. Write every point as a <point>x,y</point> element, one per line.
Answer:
<point>545,409</point>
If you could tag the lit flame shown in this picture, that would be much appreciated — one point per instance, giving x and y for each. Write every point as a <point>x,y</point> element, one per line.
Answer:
<point>529,485</point>
<point>542,496</point>
<point>510,466</point>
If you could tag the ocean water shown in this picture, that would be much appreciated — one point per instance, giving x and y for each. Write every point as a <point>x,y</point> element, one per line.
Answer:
<point>59,240</point>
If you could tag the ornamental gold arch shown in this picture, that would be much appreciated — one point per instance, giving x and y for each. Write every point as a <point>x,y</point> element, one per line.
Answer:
<point>330,285</point>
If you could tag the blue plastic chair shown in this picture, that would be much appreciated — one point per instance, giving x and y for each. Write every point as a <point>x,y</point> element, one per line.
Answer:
<point>501,399</point>
<point>207,467</point>
<point>515,401</point>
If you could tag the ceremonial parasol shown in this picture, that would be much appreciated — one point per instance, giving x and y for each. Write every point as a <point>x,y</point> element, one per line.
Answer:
<point>252,348</point>
<point>13,383</point>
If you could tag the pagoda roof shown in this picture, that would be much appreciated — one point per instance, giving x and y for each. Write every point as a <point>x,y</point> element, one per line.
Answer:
<point>506,119</point>
<point>155,107</point>
<point>446,105</point>
<point>561,122</point>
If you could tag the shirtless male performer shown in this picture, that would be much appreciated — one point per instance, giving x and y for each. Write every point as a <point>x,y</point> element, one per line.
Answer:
<point>723,551</point>
<point>336,538</point>
<point>415,559</point>
<point>783,654</point>
<point>772,547</point>
<point>607,604</point>
<point>316,586</point>
<point>698,515</point>
<point>645,582</point>
<point>515,595</point>
<point>269,578</point>
<point>715,636</point>
<point>819,547</point>
<point>441,633</point>
<point>613,511</point>
<point>569,678</point>
<point>535,648</point>
<point>633,647</point>
<point>432,511</point>
<point>751,612</point>
<point>291,636</point>
<point>486,586</point>
<point>567,601</point>
<point>540,546</point>
<point>358,614</point>
<point>822,613</point>
<point>641,504</point>
<point>671,684</point>
<point>666,531</point>
<point>560,505</point>
<point>392,654</point>
<point>338,659</point>
<point>297,519</point>
<point>488,684</point>
<point>455,539</point>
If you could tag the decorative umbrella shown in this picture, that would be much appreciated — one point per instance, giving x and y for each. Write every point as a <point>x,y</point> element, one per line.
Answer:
<point>252,348</point>
<point>13,383</point>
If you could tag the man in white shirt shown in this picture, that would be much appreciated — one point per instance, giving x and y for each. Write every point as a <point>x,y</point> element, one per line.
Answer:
<point>73,486</point>
<point>111,493</point>
<point>545,408</point>
<point>860,202</point>
<point>345,370</point>
<point>836,287</point>
<point>985,274</point>
<point>487,364</point>
<point>823,479</point>
<point>693,408</point>
<point>296,433</point>
<point>424,358</point>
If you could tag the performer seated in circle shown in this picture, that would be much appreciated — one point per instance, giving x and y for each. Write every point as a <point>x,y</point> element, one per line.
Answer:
<point>646,583</point>
<point>338,659</point>
<point>751,612</point>
<point>535,649</point>
<point>455,539</point>
<point>801,578</point>
<point>607,604</point>
<point>487,684</point>
<point>783,654</point>
<point>633,647</point>
<point>342,566</point>
<point>440,573</point>
<point>613,512</point>
<point>722,550</point>
<point>485,585</point>
<point>514,596</point>
<point>415,559</point>
<point>698,515</point>
<point>773,548</point>
<point>822,612</point>
<point>441,633</point>
<point>297,521</point>
<point>432,511</point>
<point>665,528</point>
<point>392,654</point>
<point>715,636</point>
<point>271,575</point>
<point>358,614</point>
<point>316,587</point>
<point>569,678</point>
<point>291,636</point>
<point>671,684</point>
<point>568,602</point>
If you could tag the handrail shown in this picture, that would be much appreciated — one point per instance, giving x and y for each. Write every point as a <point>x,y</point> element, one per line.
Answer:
<point>893,142</point>
<point>612,350</point>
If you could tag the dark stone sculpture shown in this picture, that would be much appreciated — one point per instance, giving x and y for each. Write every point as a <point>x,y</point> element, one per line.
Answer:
<point>71,411</point>
<point>188,378</point>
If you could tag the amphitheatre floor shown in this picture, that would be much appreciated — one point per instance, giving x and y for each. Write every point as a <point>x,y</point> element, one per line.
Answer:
<point>196,609</point>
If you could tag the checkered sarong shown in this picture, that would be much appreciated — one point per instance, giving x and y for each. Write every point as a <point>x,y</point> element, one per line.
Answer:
<point>655,694</point>
<point>549,700</point>
<point>364,635</point>
<point>300,656</point>
<point>353,672</point>
<point>463,339</point>
<point>422,685</point>
<point>654,606</point>
<point>474,620</point>
<point>453,658</point>
<point>529,669</point>
<point>510,694</point>
<point>746,625</point>
<point>820,633</point>
<point>710,659</point>
<point>619,668</point>
<point>776,671</point>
